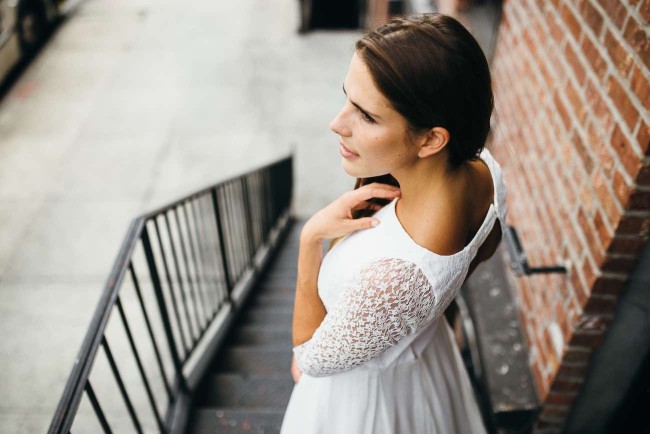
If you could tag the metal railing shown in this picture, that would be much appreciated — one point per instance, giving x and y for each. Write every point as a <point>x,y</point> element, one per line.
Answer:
<point>180,277</point>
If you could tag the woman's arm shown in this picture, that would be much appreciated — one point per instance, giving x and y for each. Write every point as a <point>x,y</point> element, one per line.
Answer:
<point>333,221</point>
<point>388,300</point>
<point>308,309</point>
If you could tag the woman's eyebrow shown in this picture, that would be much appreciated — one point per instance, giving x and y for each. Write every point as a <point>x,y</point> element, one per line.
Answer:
<point>366,112</point>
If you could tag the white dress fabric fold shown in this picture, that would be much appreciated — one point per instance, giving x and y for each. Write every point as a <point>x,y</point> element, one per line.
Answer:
<point>384,359</point>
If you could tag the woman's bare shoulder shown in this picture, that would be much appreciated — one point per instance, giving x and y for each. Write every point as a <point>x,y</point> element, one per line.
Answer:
<point>454,222</point>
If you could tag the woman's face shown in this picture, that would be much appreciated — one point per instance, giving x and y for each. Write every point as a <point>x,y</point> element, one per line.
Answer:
<point>368,126</point>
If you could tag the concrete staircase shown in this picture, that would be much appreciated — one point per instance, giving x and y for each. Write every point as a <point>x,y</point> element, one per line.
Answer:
<point>249,384</point>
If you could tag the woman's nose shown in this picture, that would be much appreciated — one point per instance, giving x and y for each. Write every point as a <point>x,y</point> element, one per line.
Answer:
<point>339,125</point>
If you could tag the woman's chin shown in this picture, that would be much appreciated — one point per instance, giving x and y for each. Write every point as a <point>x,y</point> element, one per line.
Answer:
<point>350,169</point>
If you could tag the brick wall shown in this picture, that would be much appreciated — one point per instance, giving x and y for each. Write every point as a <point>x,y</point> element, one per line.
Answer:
<point>572,133</point>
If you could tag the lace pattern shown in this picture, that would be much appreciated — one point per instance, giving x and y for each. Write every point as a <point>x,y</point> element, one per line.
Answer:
<point>389,299</point>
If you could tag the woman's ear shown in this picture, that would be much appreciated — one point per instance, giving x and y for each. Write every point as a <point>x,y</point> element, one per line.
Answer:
<point>434,141</point>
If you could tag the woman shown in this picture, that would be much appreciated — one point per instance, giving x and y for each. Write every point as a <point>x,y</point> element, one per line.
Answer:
<point>372,351</point>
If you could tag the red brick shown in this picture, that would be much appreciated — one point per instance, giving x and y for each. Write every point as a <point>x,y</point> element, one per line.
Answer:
<point>589,272</point>
<point>604,157</point>
<point>604,234</point>
<point>557,33</point>
<point>622,102</point>
<point>562,112</point>
<point>621,188</point>
<point>592,17</point>
<point>604,286</point>
<point>621,58</point>
<point>631,162</point>
<point>569,192</point>
<point>577,105</point>
<point>615,10</point>
<point>574,63</point>
<point>573,239</point>
<point>600,108</point>
<point>643,138</point>
<point>571,22</point>
<point>607,199</point>
<point>594,58</point>
<point>546,74</point>
<point>637,38</point>
<point>644,11</point>
<point>593,243</point>
<point>579,288</point>
<point>640,86</point>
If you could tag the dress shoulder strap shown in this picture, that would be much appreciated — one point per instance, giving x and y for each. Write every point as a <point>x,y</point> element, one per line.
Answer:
<point>500,187</point>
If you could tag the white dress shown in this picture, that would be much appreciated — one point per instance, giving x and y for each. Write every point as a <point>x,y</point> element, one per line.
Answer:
<point>384,359</point>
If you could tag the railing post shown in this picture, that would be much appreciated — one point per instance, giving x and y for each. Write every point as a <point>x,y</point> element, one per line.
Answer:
<point>222,241</point>
<point>155,281</point>
<point>248,223</point>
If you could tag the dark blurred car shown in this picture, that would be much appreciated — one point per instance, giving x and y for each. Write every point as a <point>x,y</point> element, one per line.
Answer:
<point>329,14</point>
<point>25,25</point>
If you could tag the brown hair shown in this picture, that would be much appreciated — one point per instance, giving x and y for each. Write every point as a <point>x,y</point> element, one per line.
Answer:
<point>434,73</point>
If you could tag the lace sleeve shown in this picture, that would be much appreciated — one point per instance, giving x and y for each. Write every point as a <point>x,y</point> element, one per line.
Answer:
<point>391,299</point>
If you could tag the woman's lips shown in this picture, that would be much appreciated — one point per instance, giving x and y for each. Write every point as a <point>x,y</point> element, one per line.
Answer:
<point>346,152</point>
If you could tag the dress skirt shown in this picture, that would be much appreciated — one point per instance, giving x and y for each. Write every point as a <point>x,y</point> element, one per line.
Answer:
<point>426,395</point>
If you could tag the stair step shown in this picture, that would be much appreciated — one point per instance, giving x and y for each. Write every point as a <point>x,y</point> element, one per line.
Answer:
<point>254,360</point>
<point>277,309</point>
<point>249,391</point>
<point>270,317</point>
<point>286,270</point>
<point>270,299</point>
<point>263,336</point>
<point>235,421</point>
<point>281,281</point>
<point>269,288</point>
<point>285,267</point>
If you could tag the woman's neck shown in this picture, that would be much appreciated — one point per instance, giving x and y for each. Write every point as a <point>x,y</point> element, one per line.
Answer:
<point>428,184</point>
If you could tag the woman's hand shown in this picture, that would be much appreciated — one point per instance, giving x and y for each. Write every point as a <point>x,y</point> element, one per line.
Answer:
<point>335,220</point>
<point>296,373</point>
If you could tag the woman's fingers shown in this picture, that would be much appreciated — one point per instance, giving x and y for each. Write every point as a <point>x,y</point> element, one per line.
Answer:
<point>367,205</point>
<point>373,190</point>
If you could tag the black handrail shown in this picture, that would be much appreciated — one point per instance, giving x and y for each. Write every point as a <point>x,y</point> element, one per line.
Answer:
<point>199,258</point>
<point>519,260</point>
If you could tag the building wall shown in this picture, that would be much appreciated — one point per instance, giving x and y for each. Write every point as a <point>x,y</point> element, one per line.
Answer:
<point>572,133</point>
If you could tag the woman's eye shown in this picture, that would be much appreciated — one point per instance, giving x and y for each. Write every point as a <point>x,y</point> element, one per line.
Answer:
<point>366,118</point>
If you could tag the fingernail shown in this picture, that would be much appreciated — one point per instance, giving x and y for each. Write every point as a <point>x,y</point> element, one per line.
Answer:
<point>374,223</point>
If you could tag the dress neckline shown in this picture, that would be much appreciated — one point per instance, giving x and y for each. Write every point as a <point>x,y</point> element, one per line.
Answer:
<point>488,217</point>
